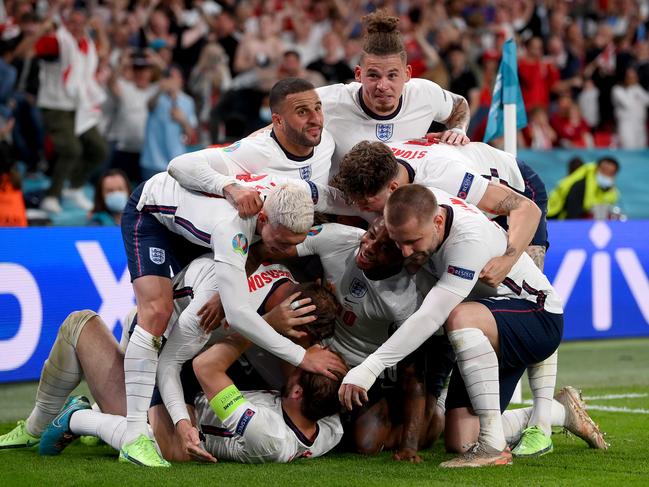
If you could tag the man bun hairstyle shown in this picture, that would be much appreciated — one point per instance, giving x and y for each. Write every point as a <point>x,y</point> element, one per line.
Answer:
<point>285,87</point>
<point>382,36</point>
<point>365,170</point>
<point>291,206</point>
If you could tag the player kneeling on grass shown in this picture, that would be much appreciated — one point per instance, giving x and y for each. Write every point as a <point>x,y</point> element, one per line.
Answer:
<point>494,337</point>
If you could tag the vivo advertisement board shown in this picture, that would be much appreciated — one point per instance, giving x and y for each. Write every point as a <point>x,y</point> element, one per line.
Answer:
<point>600,269</point>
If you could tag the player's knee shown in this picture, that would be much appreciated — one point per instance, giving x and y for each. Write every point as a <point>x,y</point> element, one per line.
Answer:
<point>73,325</point>
<point>369,444</point>
<point>458,318</point>
<point>201,367</point>
<point>154,316</point>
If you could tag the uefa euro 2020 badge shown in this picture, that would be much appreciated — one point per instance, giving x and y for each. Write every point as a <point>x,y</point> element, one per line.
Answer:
<point>240,244</point>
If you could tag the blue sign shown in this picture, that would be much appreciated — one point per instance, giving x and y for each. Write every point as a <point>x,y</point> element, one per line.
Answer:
<point>600,269</point>
<point>46,273</point>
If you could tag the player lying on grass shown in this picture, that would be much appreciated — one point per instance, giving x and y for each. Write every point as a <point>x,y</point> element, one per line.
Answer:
<point>376,295</point>
<point>68,363</point>
<point>506,329</point>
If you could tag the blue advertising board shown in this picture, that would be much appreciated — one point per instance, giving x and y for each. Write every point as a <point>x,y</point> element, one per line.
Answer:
<point>599,269</point>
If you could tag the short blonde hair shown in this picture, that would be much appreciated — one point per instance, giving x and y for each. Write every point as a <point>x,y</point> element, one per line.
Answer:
<point>291,206</point>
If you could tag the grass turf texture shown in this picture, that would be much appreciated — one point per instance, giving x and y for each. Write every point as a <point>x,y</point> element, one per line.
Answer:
<point>598,368</point>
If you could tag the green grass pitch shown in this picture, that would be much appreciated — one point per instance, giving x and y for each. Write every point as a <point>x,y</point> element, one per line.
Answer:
<point>614,373</point>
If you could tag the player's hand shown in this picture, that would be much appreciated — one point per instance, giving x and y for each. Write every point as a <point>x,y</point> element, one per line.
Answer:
<point>246,200</point>
<point>321,361</point>
<point>211,314</point>
<point>351,395</point>
<point>496,270</point>
<point>407,455</point>
<point>452,137</point>
<point>192,442</point>
<point>291,313</point>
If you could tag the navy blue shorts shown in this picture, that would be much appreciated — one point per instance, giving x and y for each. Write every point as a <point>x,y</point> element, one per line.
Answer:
<point>534,190</point>
<point>151,248</point>
<point>527,334</point>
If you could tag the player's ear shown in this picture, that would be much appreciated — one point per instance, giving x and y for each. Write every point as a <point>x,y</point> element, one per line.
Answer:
<point>408,72</point>
<point>276,119</point>
<point>357,73</point>
<point>297,392</point>
<point>393,186</point>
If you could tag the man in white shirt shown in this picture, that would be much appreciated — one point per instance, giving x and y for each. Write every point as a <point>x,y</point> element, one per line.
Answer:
<point>384,103</point>
<point>296,147</point>
<point>157,213</point>
<point>504,329</point>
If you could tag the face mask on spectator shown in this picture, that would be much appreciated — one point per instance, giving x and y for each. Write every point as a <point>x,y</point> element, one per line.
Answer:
<point>604,182</point>
<point>116,201</point>
<point>265,114</point>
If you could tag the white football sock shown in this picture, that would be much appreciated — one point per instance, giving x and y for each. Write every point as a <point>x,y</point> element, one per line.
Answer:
<point>60,375</point>
<point>542,379</point>
<point>478,365</point>
<point>140,364</point>
<point>108,427</point>
<point>516,420</point>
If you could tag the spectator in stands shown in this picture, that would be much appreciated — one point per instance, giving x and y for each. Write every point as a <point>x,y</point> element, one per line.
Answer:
<point>131,86</point>
<point>539,134</point>
<point>463,81</point>
<point>631,101</point>
<point>601,61</point>
<point>12,205</point>
<point>111,194</point>
<point>332,64</point>
<point>170,126</point>
<point>209,80</point>
<point>588,192</point>
<point>291,67</point>
<point>588,102</point>
<point>538,77</point>
<point>572,131</point>
<point>69,98</point>
<point>227,36</point>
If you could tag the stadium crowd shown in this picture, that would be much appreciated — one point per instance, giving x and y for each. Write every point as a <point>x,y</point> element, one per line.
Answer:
<point>167,75</point>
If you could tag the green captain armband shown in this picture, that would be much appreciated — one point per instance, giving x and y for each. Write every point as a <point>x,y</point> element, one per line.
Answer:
<point>227,401</point>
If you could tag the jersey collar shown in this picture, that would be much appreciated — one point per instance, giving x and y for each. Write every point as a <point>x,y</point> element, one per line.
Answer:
<point>376,116</point>
<point>300,436</point>
<point>448,222</point>
<point>409,168</point>
<point>290,156</point>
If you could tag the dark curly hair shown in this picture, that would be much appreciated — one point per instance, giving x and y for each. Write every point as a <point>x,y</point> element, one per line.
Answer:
<point>382,36</point>
<point>365,171</point>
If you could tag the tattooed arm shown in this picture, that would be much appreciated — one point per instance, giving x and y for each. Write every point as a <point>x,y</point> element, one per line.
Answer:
<point>457,122</point>
<point>524,218</point>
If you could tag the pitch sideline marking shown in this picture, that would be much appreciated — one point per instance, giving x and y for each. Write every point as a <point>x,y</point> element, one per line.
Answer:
<point>621,409</point>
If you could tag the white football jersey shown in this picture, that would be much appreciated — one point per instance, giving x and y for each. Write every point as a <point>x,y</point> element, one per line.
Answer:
<point>440,166</point>
<point>211,221</point>
<point>259,431</point>
<point>369,308</point>
<point>262,154</point>
<point>350,121</point>
<point>470,241</point>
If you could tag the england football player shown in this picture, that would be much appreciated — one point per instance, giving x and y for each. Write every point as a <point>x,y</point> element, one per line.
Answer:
<point>384,103</point>
<point>84,348</point>
<point>295,146</point>
<point>376,294</point>
<point>504,329</point>
<point>463,171</point>
<point>161,211</point>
